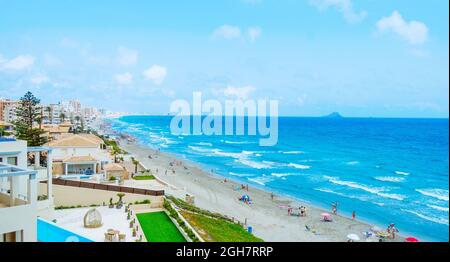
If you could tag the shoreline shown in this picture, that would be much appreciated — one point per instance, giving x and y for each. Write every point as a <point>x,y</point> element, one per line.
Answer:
<point>268,218</point>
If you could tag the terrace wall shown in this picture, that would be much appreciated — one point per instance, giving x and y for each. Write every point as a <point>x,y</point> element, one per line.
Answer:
<point>73,196</point>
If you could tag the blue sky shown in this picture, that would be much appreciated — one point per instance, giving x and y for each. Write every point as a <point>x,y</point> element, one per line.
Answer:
<point>362,58</point>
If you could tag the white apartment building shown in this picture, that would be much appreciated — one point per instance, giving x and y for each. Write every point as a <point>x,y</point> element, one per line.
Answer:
<point>8,110</point>
<point>19,205</point>
<point>52,113</point>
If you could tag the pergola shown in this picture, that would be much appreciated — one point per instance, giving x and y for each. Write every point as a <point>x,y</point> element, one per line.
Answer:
<point>80,162</point>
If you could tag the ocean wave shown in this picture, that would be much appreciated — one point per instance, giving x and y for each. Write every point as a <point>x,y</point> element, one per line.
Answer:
<point>262,180</point>
<point>380,191</point>
<point>445,209</point>
<point>326,190</point>
<point>282,174</point>
<point>352,163</point>
<point>203,144</point>
<point>239,175</point>
<point>439,220</point>
<point>390,179</point>
<point>440,194</point>
<point>236,142</point>
<point>298,166</point>
<point>291,152</point>
<point>253,164</point>
<point>200,149</point>
<point>402,173</point>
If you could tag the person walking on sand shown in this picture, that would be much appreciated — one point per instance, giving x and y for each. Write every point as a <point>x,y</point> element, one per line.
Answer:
<point>353,215</point>
<point>334,208</point>
<point>246,187</point>
<point>271,196</point>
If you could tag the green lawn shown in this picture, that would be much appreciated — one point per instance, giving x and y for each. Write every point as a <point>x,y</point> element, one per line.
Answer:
<point>218,230</point>
<point>150,177</point>
<point>158,227</point>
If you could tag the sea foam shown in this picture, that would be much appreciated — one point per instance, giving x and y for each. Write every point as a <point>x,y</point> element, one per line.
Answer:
<point>298,166</point>
<point>380,191</point>
<point>440,194</point>
<point>390,179</point>
<point>439,220</point>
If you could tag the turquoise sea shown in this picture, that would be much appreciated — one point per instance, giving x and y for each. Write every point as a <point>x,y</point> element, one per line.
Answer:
<point>387,170</point>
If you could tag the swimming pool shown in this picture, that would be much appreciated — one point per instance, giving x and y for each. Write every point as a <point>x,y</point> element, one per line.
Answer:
<point>51,232</point>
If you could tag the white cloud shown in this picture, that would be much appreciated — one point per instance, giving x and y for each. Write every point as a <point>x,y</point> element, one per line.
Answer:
<point>227,32</point>
<point>39,79</point>
<point>343,6</point>
<point>241,93</point>
<point>18,63</point>
<point>124,79</point>
<point>254,32</point>
<point>414,32</point>
<point>156,73</point>
<point>126,56</point>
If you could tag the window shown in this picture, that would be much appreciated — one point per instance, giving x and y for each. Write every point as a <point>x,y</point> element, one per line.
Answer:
<point>12,160</point>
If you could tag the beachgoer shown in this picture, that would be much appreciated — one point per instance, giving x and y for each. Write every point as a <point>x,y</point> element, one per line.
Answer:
<point>334,208</point>
<point>246,187</point>
<point>271,195</point>
<point>353,215</point>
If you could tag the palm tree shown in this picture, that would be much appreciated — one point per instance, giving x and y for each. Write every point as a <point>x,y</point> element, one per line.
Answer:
<point>49,110</point>
<point>62,116</point>
<point>135,163</point>
<point>115,153</point>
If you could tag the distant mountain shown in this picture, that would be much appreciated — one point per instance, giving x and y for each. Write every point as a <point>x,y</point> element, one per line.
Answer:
<point>334,115</point>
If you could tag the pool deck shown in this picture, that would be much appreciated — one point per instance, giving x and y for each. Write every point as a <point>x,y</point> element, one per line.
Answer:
<point>112,218</point>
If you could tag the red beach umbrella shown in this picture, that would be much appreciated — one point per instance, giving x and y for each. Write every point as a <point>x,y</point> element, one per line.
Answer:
<point>411,239</point>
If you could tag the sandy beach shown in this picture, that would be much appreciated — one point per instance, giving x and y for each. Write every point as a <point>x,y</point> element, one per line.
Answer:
<point>268,217</point>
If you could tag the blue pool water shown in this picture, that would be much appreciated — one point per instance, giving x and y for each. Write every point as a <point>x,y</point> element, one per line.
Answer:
<point>50,232</point>
<point>387,170</point>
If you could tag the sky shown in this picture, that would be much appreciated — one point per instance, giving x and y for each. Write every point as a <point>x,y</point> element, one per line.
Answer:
<point>377,58</point>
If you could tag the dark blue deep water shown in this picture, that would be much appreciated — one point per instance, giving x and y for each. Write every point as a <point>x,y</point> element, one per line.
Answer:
<point>387,170</point>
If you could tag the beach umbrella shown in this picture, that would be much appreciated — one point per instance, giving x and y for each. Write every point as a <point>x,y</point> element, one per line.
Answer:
<point>325,214</point>
<point>411,239</point>
<point>353,237</point>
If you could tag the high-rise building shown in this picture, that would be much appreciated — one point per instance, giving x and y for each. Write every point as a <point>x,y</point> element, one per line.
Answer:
<point>8,110</point>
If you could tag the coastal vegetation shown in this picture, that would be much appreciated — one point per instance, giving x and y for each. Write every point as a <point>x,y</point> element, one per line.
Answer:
<point>28,114</point>
<point>114,146</point>
<point>218,230</point>
<point>188,207</point>
<point>147,177</point>
<point>212,227</point>
<point>158,227</point>
<point>72,207</point>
